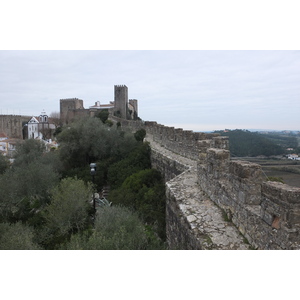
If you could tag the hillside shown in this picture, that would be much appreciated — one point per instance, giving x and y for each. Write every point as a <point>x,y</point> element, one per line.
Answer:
<point>246,143</point>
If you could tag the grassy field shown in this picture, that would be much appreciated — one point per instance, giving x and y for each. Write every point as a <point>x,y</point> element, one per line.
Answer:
<point>287,170</point>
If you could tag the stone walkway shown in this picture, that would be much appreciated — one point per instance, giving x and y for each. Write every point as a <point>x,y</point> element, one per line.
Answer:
<point>206,219</point>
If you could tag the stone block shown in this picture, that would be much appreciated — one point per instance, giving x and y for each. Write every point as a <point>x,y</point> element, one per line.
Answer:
<point>277,191</point>
<point>293,218</point>
<point>221,142</point>
<point>247,170</point>
<point>267,217</point>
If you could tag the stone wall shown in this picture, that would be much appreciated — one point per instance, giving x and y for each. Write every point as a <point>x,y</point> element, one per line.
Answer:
<point>182,142</point>
<point>178,231</point>
<point>169,167</point>
<point>12,125</point>
<point>267,214</point>
<point>193,221</point>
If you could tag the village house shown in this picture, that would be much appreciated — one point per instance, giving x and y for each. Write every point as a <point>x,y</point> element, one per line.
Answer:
<point>39,128</point>
<point>293,157</point>
<point>7,145</point>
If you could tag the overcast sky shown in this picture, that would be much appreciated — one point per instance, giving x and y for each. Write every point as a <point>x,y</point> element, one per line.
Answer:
<point>197,90</point>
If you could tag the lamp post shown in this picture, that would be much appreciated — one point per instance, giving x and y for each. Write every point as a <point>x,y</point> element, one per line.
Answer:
<point>93,168</point>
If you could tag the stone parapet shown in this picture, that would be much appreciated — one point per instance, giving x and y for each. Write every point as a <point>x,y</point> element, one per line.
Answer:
<point>182,142</point>
<point>193,221</point>
<point>267,214</point>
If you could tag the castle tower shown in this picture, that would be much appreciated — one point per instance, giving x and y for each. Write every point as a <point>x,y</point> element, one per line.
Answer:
<point>67,108</point>
<point>133,107</point>
<point>121,101</point>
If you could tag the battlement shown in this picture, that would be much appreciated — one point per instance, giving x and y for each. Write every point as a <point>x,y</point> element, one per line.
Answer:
<point>267,214</point>
<point>184,142</point>
<point>70,99</point>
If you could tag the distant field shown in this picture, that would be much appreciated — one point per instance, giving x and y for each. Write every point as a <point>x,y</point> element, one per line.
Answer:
<point>288,170</point>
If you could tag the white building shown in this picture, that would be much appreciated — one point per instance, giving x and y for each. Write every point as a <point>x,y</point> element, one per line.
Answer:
<point>293,157</point>
<point>33,128</point>
<point>40,128</point>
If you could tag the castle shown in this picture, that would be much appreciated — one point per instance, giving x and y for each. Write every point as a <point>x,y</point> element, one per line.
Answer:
<point>121,107</point>
<point>212,202</point>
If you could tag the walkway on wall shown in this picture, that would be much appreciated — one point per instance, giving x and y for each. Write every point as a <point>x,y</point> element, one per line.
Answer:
<point>207,222</point>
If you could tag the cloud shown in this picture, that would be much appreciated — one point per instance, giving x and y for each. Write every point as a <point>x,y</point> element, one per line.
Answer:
<point>237,88</point>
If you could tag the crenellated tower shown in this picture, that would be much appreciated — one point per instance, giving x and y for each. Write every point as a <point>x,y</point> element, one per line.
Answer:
<point>121,101</point>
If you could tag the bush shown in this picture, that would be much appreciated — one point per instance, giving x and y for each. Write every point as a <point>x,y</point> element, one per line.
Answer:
<point>88,140</point>
<point>144,192</point>
<point>68,211</point>
<point>16,237</point>
<point>137,160</point>
<point>27,152</point>
<point>140,135</point>
<point>103,115</point>
<point>22,188</point>
<point>276,179</point>
<point>116,228</point>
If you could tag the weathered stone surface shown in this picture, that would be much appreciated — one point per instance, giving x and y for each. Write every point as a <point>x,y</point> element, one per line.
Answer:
<point>193,220</point>
<point>203,183</point>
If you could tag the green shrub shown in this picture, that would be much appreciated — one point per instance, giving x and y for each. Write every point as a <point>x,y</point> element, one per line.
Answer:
<point>16,237</point>
<point>116,228</point>
<point>276,179</point>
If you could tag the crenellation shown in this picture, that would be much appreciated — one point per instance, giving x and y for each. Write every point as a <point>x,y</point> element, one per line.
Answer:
<point>203,183</point>
<point>266,213</point>
<point>221,142</point>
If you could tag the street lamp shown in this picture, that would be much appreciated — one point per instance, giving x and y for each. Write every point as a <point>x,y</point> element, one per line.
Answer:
<point>93,168</point>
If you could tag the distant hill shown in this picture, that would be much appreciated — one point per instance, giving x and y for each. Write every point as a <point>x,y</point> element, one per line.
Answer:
<point>246,143</point>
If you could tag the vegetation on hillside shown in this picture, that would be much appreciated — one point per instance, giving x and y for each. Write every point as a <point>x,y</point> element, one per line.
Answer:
<point>246,143</point>
<point>45,200</point>
<point>285,140</point>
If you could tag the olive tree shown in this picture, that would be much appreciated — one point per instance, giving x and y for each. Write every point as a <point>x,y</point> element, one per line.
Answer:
<point>25,189</point>
<point>116,228</point>
<point>17,237</point>
<point>68,211</point>
<point>87,140</point>
<point>28,151</point>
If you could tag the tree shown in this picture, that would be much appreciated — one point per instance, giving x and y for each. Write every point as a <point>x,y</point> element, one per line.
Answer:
<point>4,164</point>
<point>137,160</point>
<point>28,151</point>
<point>26,189</point>
<point>246,143</point>
<point>68,211</point>
<point>140,134</point>
<point>103,115</point>
<point>116,228</point>
<point>17,237</point>
<point>88,140</point>
<point>144,192</point>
